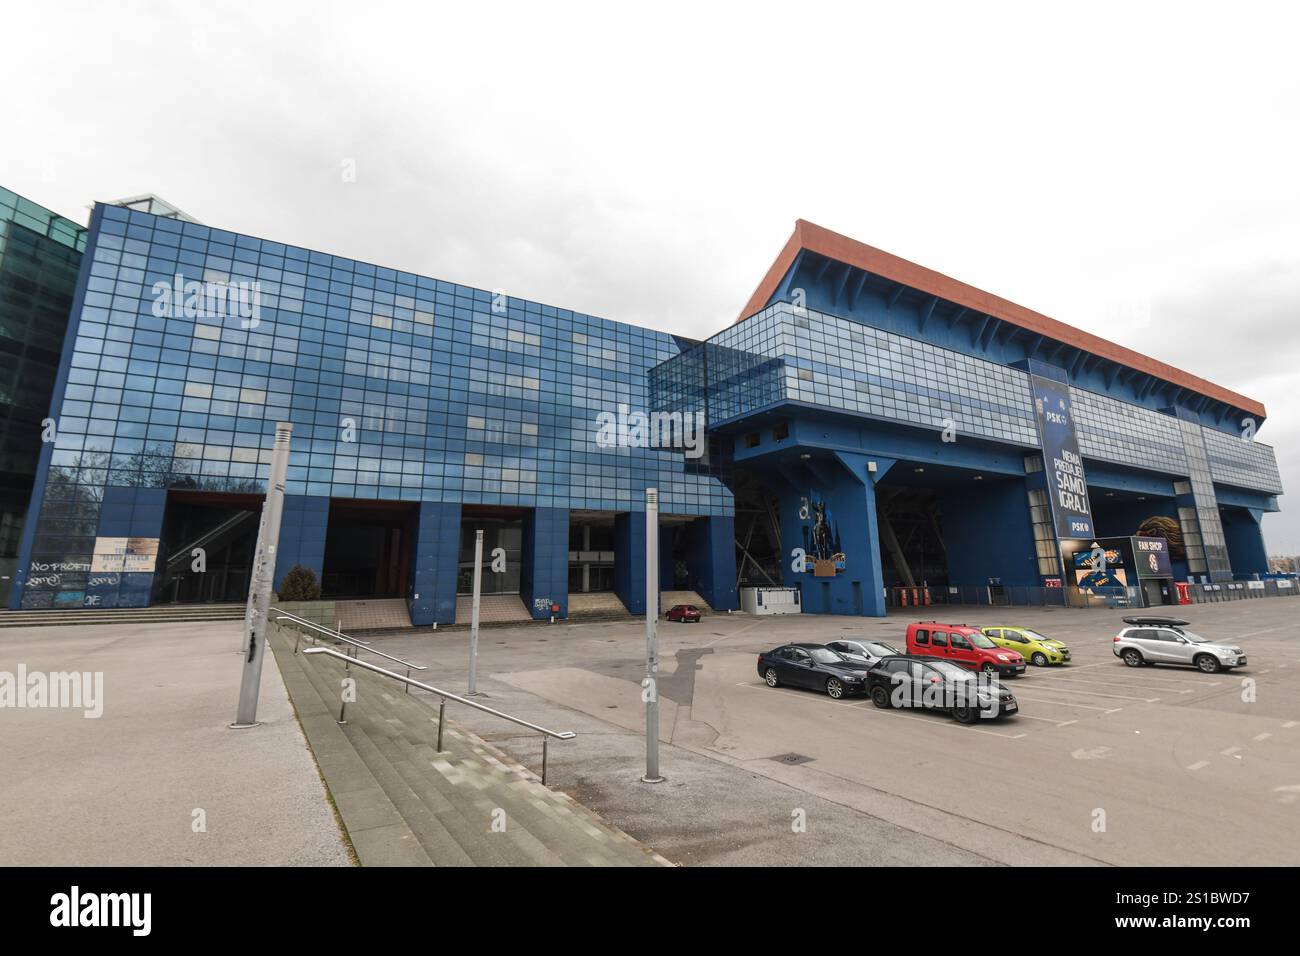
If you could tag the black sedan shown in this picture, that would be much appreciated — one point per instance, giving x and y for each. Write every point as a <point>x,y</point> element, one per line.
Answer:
<point>931,684</point>
<point>814,666</point>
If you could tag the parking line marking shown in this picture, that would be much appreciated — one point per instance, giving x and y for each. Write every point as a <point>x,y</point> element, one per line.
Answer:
<point>1115,678</point>
<point>1061,703</point>
<point>791,692</point>
<point>1289,724</point>
<point>1229,752</point>
<point>1199,764</point>
<point>1259,737</point>
<point>1093,693</point>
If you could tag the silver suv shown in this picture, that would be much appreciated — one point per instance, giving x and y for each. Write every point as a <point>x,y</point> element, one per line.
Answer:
<point>1164,640</point>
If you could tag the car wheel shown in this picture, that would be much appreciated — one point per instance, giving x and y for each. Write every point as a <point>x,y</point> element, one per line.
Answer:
<point>1133,657</point>
<point>834,688</point>
<point>880,697</point>
<point>1039,659</point>
<point>965,715</point>
<point>1208,663</point>
<point>989,669</point>
<point>770,677</point>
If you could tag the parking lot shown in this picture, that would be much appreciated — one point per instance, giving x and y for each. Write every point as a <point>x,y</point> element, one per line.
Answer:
<point>1104,764</point>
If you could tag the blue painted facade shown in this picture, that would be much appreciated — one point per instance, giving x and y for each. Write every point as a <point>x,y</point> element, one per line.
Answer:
<point>303,524</point>
<point>845,394</point>
<point>544,578</point>
<point>399,387</point>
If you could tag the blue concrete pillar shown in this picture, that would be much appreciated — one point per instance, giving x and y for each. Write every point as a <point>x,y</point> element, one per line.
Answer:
<point>667,562</point>
<point>629,560</point>
<point>987,532</point>
<point>1245,539</point>
<point>303,525</point>
<point>432,596</point>
<point>846,484</point>
<point>544,575</point>
<point>710,550</point>
<point>128,513</point>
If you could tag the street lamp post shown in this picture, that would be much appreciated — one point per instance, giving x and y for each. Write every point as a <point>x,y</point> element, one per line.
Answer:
<point>651,686</point>
<point>263,574</point>
<point>473,617</point>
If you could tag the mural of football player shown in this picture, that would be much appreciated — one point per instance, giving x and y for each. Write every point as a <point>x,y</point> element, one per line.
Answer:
<point>1162,526</point>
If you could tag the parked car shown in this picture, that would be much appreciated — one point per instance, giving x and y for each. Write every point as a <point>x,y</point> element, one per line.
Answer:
<point>868,651</point>
<point>1166,640</point>
<point>814,666</point>
<point>686,613</point>
<point>1036,648</point>
<point>931,684</point>
<point>964,645</point>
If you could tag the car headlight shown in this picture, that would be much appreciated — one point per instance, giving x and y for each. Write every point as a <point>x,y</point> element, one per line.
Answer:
<point>1004,657</point>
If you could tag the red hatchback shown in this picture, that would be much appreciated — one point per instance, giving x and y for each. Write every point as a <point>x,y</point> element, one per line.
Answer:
<point>964,645</point>
<point>686,613</point>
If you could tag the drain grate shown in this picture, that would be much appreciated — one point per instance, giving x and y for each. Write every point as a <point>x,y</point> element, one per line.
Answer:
<point>791,759</point>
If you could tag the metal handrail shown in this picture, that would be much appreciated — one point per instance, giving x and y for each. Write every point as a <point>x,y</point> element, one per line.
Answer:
<point>442,706</point>
<point>314,625</point>
<point>359,645</point>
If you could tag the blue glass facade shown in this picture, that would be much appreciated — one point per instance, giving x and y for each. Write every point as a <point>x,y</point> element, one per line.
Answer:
<point>399,387</point>
<point>186,344</point>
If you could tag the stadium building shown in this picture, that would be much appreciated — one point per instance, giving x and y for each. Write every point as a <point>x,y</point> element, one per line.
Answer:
<point>867,429</point>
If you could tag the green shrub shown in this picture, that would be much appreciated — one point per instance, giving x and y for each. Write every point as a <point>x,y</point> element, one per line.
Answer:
<point>299,584</point>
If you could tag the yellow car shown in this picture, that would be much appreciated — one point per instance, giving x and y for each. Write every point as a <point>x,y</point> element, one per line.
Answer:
<point>1033,647</point>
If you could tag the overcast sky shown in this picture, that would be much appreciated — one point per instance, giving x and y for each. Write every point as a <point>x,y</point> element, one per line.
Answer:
<point>1127,168</point>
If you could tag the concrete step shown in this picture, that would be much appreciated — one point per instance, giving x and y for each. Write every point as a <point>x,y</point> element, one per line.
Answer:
<point>161,614</point>
<point>376,827</point>
<point>449,800</point>
<point>479,779</point>
<point>382,730</point>
<point>362,731</point>
<point>478,785</point>
<point>668,599</point>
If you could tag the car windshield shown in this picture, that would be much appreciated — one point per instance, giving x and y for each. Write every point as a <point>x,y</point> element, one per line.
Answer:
<point>1033,635</point>
<point>880,650</point>
<point>824,655</point>
<point>952,671</point>
<point>979,640</point>
<point>1194,638</point>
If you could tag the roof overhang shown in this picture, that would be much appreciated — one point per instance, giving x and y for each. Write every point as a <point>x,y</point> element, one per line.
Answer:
<point>814,238</point>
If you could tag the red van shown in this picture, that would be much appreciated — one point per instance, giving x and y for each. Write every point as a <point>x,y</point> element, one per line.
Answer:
<point>964,645</point>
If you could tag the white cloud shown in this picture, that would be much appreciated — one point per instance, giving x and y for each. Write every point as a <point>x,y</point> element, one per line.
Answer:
<point>646,163</point>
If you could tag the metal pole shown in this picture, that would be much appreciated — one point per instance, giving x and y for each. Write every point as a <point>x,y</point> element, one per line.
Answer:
<point>473,618</point>
<point>253,583</point>
<point>651,692</point>
<point>251,681</point>
<point>442,712</point>
<point>545,742</point>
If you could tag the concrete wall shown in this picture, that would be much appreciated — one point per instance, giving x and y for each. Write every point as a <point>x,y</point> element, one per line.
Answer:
<point>1246,550</point>
<point>302,535</point>
<point>710,549</point>
<point>433,570</point>
<point>629,560</point>
<point>544,576</point>
<point>987,533</point>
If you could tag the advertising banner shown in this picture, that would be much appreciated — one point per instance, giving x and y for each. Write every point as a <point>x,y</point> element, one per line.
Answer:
<point>1102,566</point>
<point>1151,558</point>
<point>1067,488</point>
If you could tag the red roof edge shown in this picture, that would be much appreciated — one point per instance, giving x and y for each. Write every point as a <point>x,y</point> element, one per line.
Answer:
<point>815,238</point>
